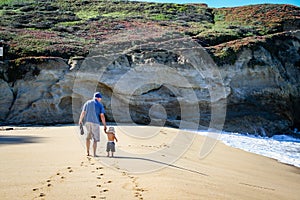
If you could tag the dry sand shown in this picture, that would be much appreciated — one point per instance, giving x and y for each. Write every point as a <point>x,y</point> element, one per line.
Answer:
<point>164,163</point>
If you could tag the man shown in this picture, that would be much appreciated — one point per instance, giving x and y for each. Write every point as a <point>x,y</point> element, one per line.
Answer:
<point>93,111</point>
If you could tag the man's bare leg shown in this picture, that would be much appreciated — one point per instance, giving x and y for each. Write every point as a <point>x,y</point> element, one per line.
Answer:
<point>95,148</point>
<point>88,143</point>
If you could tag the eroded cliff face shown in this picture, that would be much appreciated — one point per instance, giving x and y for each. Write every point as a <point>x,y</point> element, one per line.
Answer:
<point>159,83</point>
<point>265,88</point>
<point>36,91</point>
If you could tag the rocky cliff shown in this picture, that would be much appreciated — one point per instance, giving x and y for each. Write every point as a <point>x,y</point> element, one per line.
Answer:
<point>154,74</point>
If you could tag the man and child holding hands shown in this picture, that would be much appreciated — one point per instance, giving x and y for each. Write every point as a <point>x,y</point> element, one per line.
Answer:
<point>92,112</point>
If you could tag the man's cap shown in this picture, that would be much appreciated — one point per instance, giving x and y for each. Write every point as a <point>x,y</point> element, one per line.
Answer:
<point>97,95</point>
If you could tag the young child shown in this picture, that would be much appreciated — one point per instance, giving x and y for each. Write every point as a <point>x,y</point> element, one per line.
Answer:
<point>111,137</point>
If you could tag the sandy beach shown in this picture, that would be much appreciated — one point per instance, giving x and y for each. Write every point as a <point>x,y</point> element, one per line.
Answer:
<point>51,163</point>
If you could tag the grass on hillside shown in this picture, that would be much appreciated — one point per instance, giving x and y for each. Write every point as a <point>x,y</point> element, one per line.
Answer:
<point>11,2</point>
<point>72,25</point>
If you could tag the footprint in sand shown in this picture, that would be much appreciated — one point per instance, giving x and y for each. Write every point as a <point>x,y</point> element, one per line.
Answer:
<point>42,194</point>
<point>140,189</point>
<point>70,169</point>
<point>99,176</point>
<point>104,190</point>
<point>133,178</point>
<point>139,195</point>
<point>107,182</point>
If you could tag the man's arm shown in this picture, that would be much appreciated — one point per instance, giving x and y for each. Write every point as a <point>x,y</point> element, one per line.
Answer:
<point>102,116</point>
<point>81,117</point>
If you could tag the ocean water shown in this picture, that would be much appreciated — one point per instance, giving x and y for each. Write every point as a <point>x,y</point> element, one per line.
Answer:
<point>285,149</point>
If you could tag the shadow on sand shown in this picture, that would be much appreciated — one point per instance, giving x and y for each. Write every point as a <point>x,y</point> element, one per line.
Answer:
<point>158,162</point>
<point>5,140</point>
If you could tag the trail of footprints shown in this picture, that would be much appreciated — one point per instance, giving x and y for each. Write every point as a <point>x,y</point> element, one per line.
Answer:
<point>138,191</point>
<point>62,175</point>
<point>99,175</point>
<point>153,147</point>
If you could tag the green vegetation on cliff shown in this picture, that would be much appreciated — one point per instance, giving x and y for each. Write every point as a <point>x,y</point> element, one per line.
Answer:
<point>67,28</point>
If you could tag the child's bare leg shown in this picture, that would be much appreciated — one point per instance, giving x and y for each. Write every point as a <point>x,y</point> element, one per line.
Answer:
<point>112,154</point>
<point>108,154</point>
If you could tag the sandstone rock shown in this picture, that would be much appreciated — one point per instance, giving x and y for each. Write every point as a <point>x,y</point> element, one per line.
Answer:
<point>265,89</point>
<point>42,98</point>
<point>163,82</point>
<point>6,99</point>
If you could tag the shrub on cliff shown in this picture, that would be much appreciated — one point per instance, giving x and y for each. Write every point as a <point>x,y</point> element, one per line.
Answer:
<point>67,28</point>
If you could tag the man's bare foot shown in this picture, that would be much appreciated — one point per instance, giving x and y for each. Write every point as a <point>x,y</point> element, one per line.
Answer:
<point>95,155</point>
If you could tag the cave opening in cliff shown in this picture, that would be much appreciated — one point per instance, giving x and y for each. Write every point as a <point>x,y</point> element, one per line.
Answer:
<point>159,104</point>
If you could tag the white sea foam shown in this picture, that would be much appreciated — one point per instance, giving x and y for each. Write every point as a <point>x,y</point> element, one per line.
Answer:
<point>283,148</point>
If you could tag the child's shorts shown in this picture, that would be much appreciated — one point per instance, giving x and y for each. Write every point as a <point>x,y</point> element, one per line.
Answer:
<point>110,147</point>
